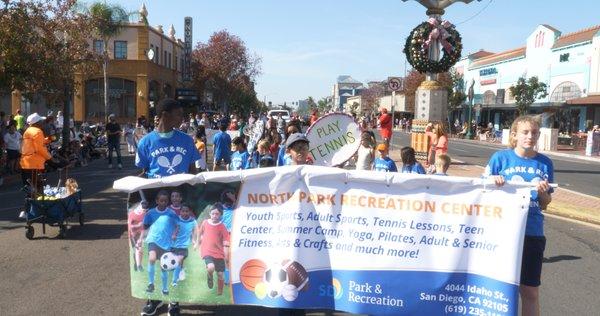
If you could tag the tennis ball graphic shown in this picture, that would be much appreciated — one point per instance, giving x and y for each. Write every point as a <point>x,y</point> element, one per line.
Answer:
<point>260,290</point>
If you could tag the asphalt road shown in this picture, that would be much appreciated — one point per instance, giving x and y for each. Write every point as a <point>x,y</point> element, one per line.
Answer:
<point>573,174</point>
<point>87,273</point>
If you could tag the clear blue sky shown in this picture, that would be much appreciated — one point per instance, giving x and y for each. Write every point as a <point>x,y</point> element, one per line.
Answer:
<point>305,45</point>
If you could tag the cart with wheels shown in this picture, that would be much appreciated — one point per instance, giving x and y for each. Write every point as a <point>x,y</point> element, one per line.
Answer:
<point>53,212</point>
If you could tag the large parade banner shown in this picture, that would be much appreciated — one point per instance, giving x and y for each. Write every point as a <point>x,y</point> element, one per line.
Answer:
<point>318,237</point>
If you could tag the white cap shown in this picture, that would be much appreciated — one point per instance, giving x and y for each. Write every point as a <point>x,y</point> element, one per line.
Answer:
<point>34,118</point>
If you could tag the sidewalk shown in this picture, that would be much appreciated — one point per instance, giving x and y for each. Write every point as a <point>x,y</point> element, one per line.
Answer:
<point>565,203</point>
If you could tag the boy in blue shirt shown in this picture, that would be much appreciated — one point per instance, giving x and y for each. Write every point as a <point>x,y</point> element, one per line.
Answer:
<point>383,162</point>
<point>222,148</point>
<point>442,163</point>
<point>186,233</point>
<point>239,158</point>
<point>159,225</point>
<point>523,163</point>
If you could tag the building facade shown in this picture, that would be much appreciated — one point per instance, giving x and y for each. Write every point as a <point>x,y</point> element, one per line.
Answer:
<point>135,82</point>
<point>345,87</point>
<point>568,64</point>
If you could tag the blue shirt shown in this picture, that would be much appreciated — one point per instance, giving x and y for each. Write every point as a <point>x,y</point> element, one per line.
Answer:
<point>239,160</point>
<point>508,164</point>
<point>184,232</point>
<point>164,156</point>
<point>416,168</point>
<point>222,143</point>
<point>227,218</point>
<point>160,225</point>
<point>384,164</point>
<point>283,158</point>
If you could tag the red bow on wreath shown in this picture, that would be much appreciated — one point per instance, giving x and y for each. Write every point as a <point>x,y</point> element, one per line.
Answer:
<point>439,33</point>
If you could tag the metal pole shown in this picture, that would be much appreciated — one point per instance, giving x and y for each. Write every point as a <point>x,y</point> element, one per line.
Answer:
<point>469,129</point>
<point>393,115</point>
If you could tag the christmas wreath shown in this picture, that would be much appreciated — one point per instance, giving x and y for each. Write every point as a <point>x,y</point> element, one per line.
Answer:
<point>417,46</point>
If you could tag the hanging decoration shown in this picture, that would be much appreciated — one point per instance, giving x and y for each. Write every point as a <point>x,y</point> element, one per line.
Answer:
<point>427,34</point>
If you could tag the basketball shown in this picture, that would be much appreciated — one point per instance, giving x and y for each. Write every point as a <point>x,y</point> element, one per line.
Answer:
<point>251,273</point>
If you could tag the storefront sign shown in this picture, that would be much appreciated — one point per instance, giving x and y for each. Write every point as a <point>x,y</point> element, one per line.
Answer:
<point>187,33</point>
<point>488,71</point>
<point>487,82</point>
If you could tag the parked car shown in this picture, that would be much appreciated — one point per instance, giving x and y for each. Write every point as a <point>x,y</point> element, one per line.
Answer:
<point>285,114</point>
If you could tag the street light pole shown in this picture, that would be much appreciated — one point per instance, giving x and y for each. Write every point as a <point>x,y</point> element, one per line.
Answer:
<point>470,95</point>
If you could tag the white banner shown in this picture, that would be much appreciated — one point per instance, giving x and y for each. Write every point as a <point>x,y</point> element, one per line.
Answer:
<point>367,242</point>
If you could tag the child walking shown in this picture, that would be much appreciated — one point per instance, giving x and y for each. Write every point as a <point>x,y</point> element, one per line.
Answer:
<point>239,158</point>
<point>523,163</point>
<point>409,162</point>
<point>384,162</point>
<point>366,153</point>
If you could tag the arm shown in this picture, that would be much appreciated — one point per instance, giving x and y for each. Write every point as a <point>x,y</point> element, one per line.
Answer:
<point>40,147</point>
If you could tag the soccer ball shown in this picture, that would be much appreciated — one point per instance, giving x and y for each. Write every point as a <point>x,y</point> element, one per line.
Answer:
<point>289,292</point>
<point>275,278</point>
<point>168,261</point>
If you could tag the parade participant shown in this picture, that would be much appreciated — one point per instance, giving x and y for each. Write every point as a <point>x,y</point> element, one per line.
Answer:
<point>186,232</point>
<point>165,152</point>
<point>385,125</point>
<point>12,142</point>
<point>135,225</point>
<point>384,162</point>
<point>314,117</point>
<point>298,149</point>
<point>523,163</point>
<point>201,147</point>
<point>409,161</point>
<point>113,137</point>
<point>366,153</point>
<point>264,157</point>
<point>283,157</point>
<point>240,157</point>
<point>20,121</point>
<point>129,130</point>
<point>33,154</point>
<point>222,148</point>
<point>442,163</point>
<point>213,246</point>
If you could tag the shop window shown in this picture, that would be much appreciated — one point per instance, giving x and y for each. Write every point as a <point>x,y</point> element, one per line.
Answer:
<point>98,46</point>
<point>121,98</point>
<point>565,91</point>
<point>120,49</point>
<point>489,97</point>
<point>564,57</point>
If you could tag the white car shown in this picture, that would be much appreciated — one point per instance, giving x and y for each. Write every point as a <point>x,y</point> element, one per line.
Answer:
<point>285,114</point>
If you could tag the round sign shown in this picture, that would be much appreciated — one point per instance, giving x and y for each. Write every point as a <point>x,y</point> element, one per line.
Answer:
<point>394,84</point>
<point>334,138</point>
<point>150,54</point>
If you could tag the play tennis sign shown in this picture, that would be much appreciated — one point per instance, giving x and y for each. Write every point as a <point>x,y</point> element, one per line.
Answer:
<point>334,138</point>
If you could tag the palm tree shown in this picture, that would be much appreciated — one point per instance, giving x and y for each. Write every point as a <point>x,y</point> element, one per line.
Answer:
<point>109,21</point>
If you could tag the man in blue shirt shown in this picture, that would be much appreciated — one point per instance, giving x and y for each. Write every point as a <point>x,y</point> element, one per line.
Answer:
<point>222,148</point>
<point>164,152</point>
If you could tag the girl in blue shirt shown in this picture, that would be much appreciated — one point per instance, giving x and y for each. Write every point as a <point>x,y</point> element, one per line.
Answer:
<point>239,158</point>
<point>523,163</point>
<point>409,162</point>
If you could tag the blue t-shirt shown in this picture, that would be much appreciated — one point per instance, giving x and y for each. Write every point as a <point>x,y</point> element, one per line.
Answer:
<point>508,164</point>
<point>239,160</point>
<point>165,156</point>
<point>416,168</point>
<point>227,218</point>
<point>283,158</point>
<point>384,164</point>
<point>185,228</point>
<point>160,226</point>
<point>222,143</point>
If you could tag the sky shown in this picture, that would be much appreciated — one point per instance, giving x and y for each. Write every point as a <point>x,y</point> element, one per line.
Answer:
<point>305,45</point>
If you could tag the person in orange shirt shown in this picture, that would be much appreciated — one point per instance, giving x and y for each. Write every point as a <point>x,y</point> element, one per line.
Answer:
<point>34,153</point>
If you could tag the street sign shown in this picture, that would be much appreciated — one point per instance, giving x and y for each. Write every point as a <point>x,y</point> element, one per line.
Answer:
<point>394,83</point>
<point>187,35</point>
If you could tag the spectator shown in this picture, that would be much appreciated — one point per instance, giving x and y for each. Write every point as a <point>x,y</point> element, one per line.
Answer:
<point>33,154</point>
<point>113,138</point>
<point>20,121</point>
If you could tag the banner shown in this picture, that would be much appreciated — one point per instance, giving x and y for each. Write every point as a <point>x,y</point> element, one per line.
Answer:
<point>334,138</point>
<point>317,237</point>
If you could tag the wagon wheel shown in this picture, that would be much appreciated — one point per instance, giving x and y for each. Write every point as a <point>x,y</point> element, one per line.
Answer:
<point>62,232</point>
<point>29,233</point>
<point>81,219</point>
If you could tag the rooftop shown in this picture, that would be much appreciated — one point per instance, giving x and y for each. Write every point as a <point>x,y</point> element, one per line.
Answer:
<point>494,58</point>
<point>576,37</point>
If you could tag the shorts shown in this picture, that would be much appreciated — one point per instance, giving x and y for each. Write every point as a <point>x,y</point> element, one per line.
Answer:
<point>180,252</point>
<point>219,263</point>
<point>12,154</point>
<point>156,248</point>
<point>531,265</point>
<point>222,161</point>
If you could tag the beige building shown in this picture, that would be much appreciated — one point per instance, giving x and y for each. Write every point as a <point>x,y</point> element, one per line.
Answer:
<point>135,81</point>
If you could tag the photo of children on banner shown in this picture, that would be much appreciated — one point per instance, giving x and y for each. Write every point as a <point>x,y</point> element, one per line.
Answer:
<point>181,234</point>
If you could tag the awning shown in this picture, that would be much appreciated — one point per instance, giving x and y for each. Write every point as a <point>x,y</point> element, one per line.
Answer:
<point>590,99</point>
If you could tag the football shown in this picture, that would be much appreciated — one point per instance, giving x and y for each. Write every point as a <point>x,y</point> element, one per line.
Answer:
<point>168,261</point>
<point>297,274</point>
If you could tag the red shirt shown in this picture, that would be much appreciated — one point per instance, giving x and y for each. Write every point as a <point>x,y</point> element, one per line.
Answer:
<point>385,122</point>
<point>214,237</point>
<point>135,217</point>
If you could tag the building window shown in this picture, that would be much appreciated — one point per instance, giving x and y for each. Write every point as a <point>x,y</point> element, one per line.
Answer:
<point>169,60</point>
<point>565,91</point>
<point>564,57</point>
<point>165,59</point>
<point>176,61</point>
<point>120,49</point>
<point>489,97</point>
<point>98,46</point>
<point>121,97</point>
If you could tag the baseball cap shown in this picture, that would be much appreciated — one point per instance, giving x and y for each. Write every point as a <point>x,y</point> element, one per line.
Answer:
<point>382,147</point>
<point>296,137</point>
<point>34,118</point>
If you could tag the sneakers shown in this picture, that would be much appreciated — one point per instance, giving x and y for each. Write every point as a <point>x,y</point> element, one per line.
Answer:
<point>151,307</point>
<point>165,292</point>
<point>182,274</point>
<point>174,309</point>
<point>150,288</point>
<point>140,268</point>
<point>110,166</point>
<point>120,166</point>
<point>23,215</point>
